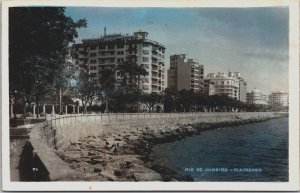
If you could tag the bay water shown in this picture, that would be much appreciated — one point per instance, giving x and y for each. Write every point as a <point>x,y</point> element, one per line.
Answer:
<point>256,152</point>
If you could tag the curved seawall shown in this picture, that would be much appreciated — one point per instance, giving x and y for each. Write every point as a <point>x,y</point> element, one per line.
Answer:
<point>59,132</point>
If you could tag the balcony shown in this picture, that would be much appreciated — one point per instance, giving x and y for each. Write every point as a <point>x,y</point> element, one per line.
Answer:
<point>154,83</point>
<point>154,65</point>
<point>155,69</point>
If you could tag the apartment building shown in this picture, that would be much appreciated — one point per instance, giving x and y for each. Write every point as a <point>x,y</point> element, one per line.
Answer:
<point>185,73</point>
<point>279,97</point>
<point>209,87</point>
<point>242,85</point>
<point>231,84</point>
<point>256,97</point>
<point>110,50</point>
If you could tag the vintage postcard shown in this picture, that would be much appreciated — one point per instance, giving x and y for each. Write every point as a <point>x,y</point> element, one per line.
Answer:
<point>150,95</point>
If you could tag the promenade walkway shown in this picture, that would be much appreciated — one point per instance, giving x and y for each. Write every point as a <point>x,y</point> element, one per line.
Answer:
<point>18,138</point>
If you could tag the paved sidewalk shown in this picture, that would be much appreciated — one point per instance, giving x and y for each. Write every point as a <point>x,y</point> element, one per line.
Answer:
<point>18,138</point>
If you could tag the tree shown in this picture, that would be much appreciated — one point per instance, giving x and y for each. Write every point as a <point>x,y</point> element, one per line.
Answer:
<point>85,89</point>
<point>107,82</point>
<point>131,73</point>
<point>169,97</point>
<point>38,42</point>
<point>64,74</point>
<point>150,100</point>
<point>184,100</point>
<point>124,102</point>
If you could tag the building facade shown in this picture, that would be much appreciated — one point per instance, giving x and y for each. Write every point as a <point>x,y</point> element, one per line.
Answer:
<point>185,73</point>
<point>279,97</point>
<point>209,87</point>
<point>108,51</point>
<point>256,97</point>
<point>231,84</point>
<point>242,85</point>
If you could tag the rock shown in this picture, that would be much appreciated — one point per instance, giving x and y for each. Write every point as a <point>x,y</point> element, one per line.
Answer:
<point>149,176</point>
<point>118,173</point>
<point>190,129</point>
<point>97,170</point>
<point>73,156</point>
<point>84,153</point>
<point>126,165</point>
<point>133,138</point>
<point>88,169</point>
<point>109,176</point>
<point>113,149</point>
<point>74,142</point>
<point>95,161</point>
<point>92,153</point>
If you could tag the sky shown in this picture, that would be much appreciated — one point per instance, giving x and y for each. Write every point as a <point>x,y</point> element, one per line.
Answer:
<point>252,41</point>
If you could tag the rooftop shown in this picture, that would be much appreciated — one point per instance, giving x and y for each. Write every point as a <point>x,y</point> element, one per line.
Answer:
<point>139,35</point>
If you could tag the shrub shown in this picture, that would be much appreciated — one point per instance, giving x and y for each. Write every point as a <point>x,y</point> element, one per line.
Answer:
<point>29,114</point>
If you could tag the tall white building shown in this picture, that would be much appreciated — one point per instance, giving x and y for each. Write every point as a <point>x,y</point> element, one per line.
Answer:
<point>231,84</point>
<point>279,97</point>
<point>108,51</point>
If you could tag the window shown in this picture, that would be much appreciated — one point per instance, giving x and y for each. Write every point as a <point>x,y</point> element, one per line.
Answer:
<point>93,74</point>
<point>120,46</point>
<point>93,54</point>
<point>102,46</point>
<point>145,59</point>
<point>111,46</point>
<point>145,45</point>
<point>120,52</point>
<point>119,60</point>
<point>145,66</point>
<point>93,61</point>
<point>146,52</point>
<point>101,60</point>
<point>93,67</point>
<point>93,48</point>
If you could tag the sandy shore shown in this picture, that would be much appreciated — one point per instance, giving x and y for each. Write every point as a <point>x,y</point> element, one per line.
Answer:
<point>126,156</point>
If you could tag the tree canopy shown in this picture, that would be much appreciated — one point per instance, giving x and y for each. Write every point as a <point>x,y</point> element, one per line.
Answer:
<point>85,89</point>
<point>38,46</point>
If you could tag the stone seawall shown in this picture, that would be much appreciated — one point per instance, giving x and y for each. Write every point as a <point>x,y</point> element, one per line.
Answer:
<point>64,136</point>
<point>61,131</point>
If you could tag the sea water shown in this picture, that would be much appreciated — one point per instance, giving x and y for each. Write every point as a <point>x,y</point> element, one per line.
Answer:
<point>252,152</point>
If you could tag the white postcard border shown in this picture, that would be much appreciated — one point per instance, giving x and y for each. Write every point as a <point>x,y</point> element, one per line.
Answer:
<point>292,185</point>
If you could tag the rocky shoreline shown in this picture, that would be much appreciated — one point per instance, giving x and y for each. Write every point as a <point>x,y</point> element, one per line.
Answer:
<point>127,156</point>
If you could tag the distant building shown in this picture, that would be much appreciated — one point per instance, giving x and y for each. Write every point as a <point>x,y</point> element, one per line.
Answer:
<point>256,97</point>
<point>185,73</point>
<point>106,52</point>
<point>231,84</point>
<point>209,87</point>
<point>279,97</point>
<point>242,85</point>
